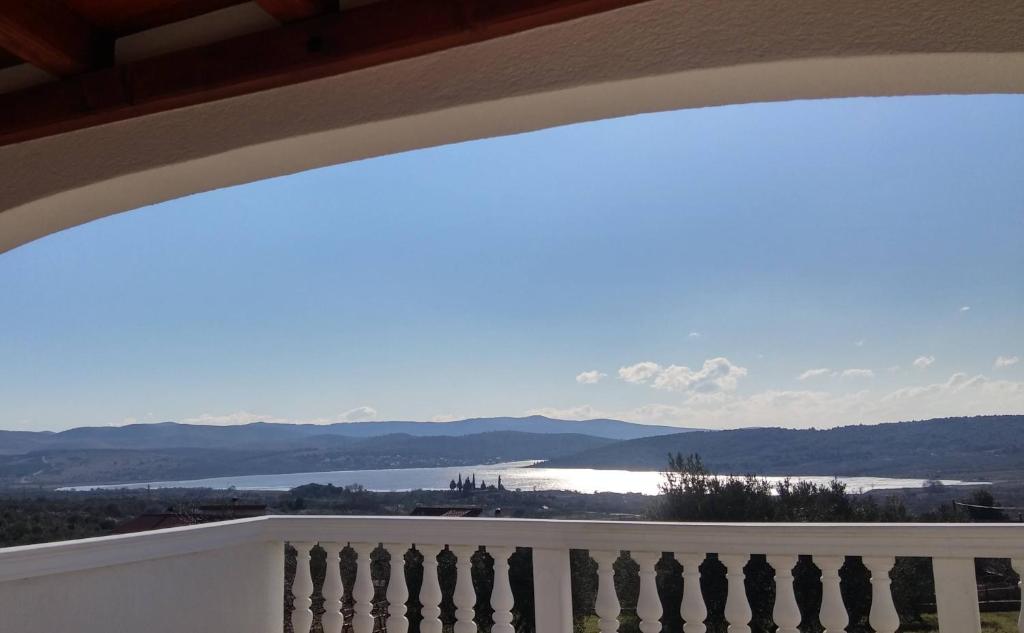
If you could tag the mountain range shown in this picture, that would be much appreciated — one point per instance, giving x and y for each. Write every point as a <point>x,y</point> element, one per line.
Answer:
<point>982,447</point>
<point>954,448</point>
<point>266,435</point>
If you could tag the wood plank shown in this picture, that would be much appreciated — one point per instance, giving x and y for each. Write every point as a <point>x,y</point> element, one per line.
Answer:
<point>7,60</point>
<point>124,17</point>
<point>332,44</point>
<point>292,10</point>
<point>45,33</point>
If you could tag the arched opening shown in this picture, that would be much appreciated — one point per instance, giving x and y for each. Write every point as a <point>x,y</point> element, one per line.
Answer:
<point>652,56</point>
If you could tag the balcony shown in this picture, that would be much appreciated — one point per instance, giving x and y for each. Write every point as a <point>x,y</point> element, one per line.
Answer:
<point>231,577</point>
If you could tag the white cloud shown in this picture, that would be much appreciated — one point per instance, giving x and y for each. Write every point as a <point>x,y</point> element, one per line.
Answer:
<point>813,373</point>
<point>639,373</point>
<point>443,417</point>
<point>858,373</point>
<point>582,412</point>
<point>923,362</point>
<point>1006,361</point>
<point>961,394</point>
<point>860,343</point>
<point>358,414</point>
<point>228,419</point>
<point>965,308</point>
<point>694,335</point>
<point>247,417</point>
<point>590,377</point>
<point>716,374</point>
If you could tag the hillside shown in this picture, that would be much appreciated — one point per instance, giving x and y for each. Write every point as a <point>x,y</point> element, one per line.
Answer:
<point>60,467</point>
<point>985,446</point>
<point>262,435</point>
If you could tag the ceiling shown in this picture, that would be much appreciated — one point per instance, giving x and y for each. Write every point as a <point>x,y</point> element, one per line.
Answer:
<point>69,64</point>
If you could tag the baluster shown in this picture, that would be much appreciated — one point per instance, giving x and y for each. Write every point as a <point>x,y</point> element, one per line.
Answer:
<point>501,595</point>
<point>737,607</point>
<point>833,614</point>
<point>1018,566</point>
<point>334,591</point>
<point>956,595</point>
<point>362,592</point>
<point>302,590</point>
<point>786,612</point>
<point>552,590</point>
<point>465,596</point>
<point>648,605</point>
<point>398,591</point>
<point>430,591</point>
<point>607,604</point>
<point>882,617</point>
<point>692,608</point>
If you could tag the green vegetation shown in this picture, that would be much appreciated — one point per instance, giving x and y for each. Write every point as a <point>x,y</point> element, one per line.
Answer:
<point>690,492</point>
<point>984,447</point>
<point>104,465</point>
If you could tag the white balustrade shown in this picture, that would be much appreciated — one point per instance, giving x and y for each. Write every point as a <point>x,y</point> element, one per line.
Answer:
<point>648,605</point>
<point>956,594</point>
<point>430,591</point>
<point>606,605</point>
<point>1018,566</point>
<point>465,596</point>
<point>786,612</point>
<point>398,591</point>
<point>552,589</point>
<point>302,589</point>
<point>737,607</point>
<point>244,561</point>
<point>334,591</point>
<point>833,613</point>
<point>362,591</point>
<point>501,595</point>
<point>692,607</point>
<point>882,617</point>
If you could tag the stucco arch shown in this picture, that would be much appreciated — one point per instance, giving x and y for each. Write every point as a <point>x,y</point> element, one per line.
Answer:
<point>659,55</point>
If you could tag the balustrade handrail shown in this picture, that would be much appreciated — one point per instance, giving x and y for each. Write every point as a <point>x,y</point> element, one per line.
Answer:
<point>44,559</point>
<point>944,540</point>
<point>940,540</point>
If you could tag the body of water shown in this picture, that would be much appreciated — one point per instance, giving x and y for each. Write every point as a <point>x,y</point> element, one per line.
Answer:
<point>513,475</point>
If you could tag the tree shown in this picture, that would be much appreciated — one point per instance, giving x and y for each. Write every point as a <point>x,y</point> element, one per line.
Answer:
<point>691,492</point>
<point>982,506</point>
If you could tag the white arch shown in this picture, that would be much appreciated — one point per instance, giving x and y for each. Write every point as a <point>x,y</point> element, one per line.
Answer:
<point>660,55</point>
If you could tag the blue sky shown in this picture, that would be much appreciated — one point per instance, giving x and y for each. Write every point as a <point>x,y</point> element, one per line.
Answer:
<point>793,264</point>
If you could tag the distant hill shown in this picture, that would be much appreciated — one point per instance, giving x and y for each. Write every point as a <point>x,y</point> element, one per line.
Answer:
<point>265,435</point>
<point>57,467</point>
<point>983,446</point>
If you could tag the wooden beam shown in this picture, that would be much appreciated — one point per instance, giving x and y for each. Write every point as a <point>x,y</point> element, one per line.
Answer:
<point>45,33</point>
<point>292,10</point>
<point>332,44</point>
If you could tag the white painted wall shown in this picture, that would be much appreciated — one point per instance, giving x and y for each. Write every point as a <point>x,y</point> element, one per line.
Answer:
<point>237,589</point>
